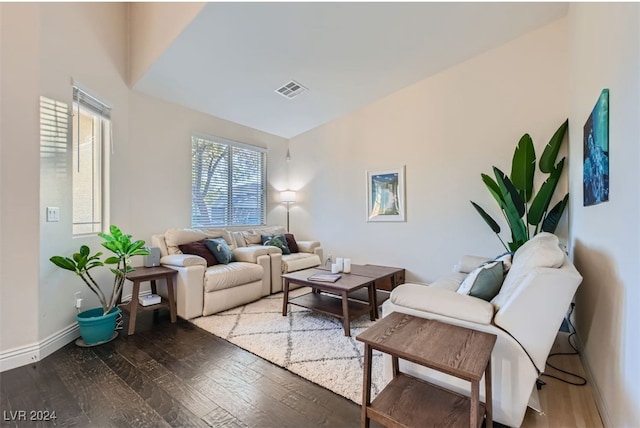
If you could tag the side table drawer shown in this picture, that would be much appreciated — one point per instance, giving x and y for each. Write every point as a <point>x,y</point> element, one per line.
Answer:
<point>391,282</point>
<point>399,278</point>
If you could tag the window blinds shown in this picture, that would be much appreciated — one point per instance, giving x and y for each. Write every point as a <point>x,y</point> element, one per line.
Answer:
<point>91,103</point>
<point>228,183</point>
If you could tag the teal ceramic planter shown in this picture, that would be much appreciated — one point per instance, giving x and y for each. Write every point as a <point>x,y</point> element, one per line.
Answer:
<point>96,328</point>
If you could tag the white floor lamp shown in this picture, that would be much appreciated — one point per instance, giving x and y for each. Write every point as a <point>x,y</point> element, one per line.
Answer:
<point>288,197</point>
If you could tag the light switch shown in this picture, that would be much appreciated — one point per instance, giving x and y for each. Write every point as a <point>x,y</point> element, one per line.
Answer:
<point>53,213</point>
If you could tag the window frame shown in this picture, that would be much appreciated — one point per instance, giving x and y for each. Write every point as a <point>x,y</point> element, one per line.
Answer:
<point>86,104</point>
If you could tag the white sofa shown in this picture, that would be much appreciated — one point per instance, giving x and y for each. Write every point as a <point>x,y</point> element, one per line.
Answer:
<point>308,256</point>
<point>255,273</point>
<point>525,316</point>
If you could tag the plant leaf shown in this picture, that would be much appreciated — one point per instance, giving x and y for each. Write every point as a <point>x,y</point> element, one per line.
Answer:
<point>493,188</point>
<point>513,206</point>
<point>510,195</point>
<point>513,246</point>
<point>523,167</point>
<point>135,246</point>
<point>516,224</point>
<point>64,263</point>
<point>487,218</point>
<point>540,203</point>
<point>554,215</point>
<point>550,153</point>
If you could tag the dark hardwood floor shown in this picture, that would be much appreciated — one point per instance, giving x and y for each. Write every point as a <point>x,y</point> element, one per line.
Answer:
<point>166,375</point>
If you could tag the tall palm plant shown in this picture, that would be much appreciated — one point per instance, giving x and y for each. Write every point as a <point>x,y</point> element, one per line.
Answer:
<point>527,214</point>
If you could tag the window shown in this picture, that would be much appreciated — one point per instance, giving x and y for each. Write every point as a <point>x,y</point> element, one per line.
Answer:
<point>228,183</point>
<point>91,129</point>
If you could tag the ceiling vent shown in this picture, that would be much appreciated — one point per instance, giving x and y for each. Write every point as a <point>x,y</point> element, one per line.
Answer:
<point>291,89</point>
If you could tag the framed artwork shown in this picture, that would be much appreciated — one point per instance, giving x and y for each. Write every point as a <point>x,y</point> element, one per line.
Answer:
<point>385,195</point>
<point>595,167</point>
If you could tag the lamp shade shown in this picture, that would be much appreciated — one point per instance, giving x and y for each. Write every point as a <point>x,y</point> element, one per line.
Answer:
<point>288,196</point>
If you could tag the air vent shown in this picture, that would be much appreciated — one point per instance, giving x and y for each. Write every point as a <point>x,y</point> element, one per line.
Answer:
<point>291,89</point>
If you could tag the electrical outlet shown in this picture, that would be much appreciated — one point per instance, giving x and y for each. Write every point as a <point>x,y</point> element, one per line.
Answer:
<point>77,300</point>
<point>329,260</point>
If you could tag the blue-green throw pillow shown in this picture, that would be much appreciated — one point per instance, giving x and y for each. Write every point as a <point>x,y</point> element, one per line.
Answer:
<point>488,282</point>
<point>220,249</point>
<point>277,241</point>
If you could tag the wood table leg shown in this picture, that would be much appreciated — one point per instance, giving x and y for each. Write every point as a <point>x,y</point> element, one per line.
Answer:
<point>395,366</point>
<point>475,403</point>
<point>366,386</point>
<point>172,299</point>
<point>154,290</point>
<point>373,301</point>
<point>285,297</point>
<point>346,322</point>
<point>133,307</point>
<point>488,403</point>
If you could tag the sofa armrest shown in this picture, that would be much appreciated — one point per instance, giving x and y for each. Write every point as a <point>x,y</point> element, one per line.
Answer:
<point>312,247</point>
<point>468,263</point>
<point>183,260</point>
<point>250,254</point>
<point>443,302</point>
<point>307,246</point>
<point>542,298</point>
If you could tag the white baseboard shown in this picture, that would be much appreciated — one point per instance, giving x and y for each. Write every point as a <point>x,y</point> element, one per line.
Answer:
<point>28,354</point>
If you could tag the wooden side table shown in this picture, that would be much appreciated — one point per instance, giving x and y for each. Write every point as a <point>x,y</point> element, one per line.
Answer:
<point>142,274</point>
<point>408,401</point>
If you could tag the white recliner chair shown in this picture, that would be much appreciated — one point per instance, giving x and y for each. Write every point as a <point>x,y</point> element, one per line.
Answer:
<point>525,316</point>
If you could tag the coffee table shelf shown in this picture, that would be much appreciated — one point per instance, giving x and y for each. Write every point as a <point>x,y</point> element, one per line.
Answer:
<point>363,296</point>
<point>330,305</point>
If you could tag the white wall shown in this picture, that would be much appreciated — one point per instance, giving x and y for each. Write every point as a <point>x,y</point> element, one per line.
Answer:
<point>19,184</point>
<point>447,130</point>
<point>160,178</point>
<point>154,25</point>
<point>86,42</point>
<point>605,53</point>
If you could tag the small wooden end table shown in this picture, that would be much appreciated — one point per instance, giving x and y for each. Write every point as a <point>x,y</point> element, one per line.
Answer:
<point>142,274</point>
<point>412,402</point>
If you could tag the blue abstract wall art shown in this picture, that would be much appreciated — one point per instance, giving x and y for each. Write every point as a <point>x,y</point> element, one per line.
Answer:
<point>596,153</point>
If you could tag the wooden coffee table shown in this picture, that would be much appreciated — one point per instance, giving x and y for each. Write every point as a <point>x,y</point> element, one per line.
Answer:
<point>385,279</point>
<point>343,307</point>
<point>411,402</point>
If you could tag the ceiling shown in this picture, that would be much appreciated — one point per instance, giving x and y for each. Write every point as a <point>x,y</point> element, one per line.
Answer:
<point>231,58</point>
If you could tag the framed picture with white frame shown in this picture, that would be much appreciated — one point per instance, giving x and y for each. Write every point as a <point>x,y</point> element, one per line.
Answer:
<point>386,195</point>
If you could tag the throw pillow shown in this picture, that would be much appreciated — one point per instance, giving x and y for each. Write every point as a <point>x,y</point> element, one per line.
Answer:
<point>488,282</point>
<point>485,278</point>
<point>252,237</point>
<point>506,259</point>
<point>198,248</point>
<point>220,249</point>
<point>276,241</point>
<point>291,243</point>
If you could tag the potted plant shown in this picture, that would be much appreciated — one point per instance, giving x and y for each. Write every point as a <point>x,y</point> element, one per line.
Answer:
<point>527,213</point>
<point>98,325</point>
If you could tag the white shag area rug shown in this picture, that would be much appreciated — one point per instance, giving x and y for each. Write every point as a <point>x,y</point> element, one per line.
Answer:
<point>307,343</point>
